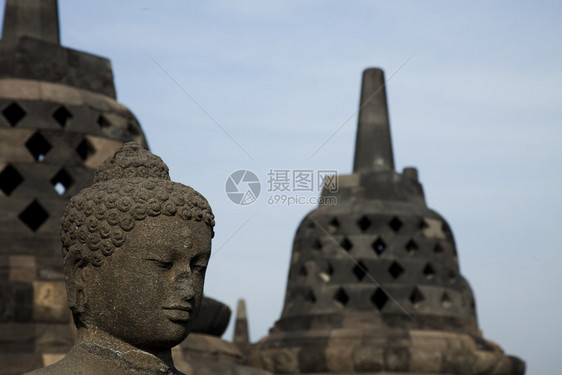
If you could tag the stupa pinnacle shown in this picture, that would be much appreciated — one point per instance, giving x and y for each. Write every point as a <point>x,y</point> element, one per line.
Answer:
<point>58,121</point>
<point>374,283</point>
<point>38,19</point>
<point>373,150</point>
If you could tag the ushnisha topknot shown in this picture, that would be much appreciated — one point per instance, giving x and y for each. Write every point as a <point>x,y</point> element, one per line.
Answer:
<point>128,187</point>
<point>131,161</point>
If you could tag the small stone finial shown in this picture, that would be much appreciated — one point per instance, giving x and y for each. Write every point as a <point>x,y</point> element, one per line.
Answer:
<point>411,173</point>
<point>241,336</point>
<point>373,150</point>
<point>33,18</point>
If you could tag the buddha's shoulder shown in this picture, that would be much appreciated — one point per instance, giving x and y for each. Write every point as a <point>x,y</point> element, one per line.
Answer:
<point>59,368</point>
<point>73,363</point>
<point>76,362</point>
<point>79,361</point>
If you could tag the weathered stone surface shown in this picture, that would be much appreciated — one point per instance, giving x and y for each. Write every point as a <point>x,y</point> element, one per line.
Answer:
<point>133,227</point>
<point>368,359</point>
<point>241,336</point>
<point>58,121</point>
<point>202,347</point>
<point>377,274</point>
<point>373,150</point>
<point>34,18</point>
<point>49,302</point>
<point>30,49</point>
<point>425,360</point>
<point>339,359</point>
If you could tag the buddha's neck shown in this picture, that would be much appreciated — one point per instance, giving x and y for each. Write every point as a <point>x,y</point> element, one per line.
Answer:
<point>94,335</point>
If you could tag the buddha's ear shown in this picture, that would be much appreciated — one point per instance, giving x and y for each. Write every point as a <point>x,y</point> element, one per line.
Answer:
<point>74,266</point>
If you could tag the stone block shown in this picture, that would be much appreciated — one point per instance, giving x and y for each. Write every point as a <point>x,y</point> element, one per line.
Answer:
<point>433,228</point>
<point>368,359</point>
<point>103,148</point>
<point>313,359</point>
<point>484,362</point>
<point>19,89</point>
<point>23,268</point>
<point>49,302</point>
<point>281,361</point>
<point>428,339</point>
<point>17,364</point>
<point>425,361</point>
<point>339,359</point>
<point>12,147</point>
<point>397,359</point>
<point>17,338</point>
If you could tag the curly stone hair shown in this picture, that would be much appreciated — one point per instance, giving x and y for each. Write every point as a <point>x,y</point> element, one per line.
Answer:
<point>128,187</point>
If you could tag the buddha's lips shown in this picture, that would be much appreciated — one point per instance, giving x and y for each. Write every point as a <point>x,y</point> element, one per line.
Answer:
<point>186,308</point>
<point>178,313</point>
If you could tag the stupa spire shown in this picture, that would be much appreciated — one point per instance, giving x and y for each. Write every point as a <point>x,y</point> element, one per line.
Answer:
<point>373,151</point>
<point>241,337</point>
<point>33,18</point>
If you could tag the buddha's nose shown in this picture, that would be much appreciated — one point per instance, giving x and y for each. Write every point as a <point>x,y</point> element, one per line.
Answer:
<point>183,287</point>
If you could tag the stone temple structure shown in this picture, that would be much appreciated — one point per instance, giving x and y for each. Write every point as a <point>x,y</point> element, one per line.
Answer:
<point>374,284</point>
<point>58,121</point>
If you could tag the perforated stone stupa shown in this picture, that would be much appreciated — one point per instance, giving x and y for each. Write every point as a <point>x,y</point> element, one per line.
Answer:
<point>59,119</point>
<point>374,283</point>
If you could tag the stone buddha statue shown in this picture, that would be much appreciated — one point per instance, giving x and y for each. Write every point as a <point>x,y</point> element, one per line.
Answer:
<point>136,246</point>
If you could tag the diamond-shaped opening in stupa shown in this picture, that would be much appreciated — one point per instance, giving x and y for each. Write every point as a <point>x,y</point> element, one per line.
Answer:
<point>38,146</point>
<point>62,182</point>
<point>395,270</point>
<point>360,270</point>
<point>10,179</point>
<point>341,297</point>
<point>34,216</point>
<point>379,298</point>
<point>395,224</point>
<point>13,113</point>
<point>62,116</point>
<point>378,246</point>
<point>346,244</point>
<point>364,223</point>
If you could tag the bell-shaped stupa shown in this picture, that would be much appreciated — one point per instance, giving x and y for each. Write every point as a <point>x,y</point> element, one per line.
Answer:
<point>59,119</point>
<point>374,283</point>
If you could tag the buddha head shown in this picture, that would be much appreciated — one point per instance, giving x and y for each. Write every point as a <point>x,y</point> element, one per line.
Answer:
<point>136,246</point>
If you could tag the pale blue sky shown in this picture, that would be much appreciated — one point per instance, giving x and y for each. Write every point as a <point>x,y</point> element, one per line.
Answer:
<point>477,108</point>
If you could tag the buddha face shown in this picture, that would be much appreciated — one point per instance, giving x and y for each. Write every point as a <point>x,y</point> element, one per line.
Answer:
<point>148,290</point>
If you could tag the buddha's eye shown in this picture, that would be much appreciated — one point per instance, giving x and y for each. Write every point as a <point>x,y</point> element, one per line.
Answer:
<point>162,264</point>
<point>199,268</point>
